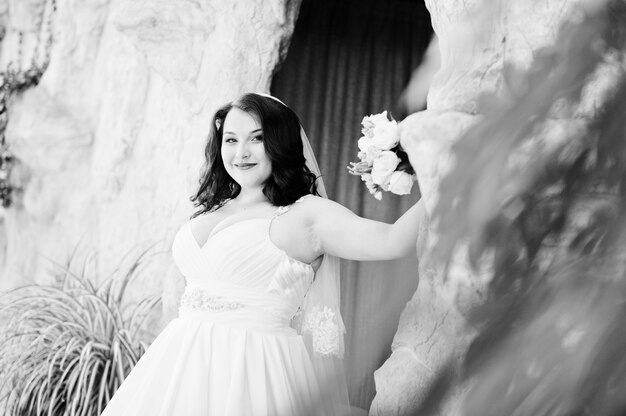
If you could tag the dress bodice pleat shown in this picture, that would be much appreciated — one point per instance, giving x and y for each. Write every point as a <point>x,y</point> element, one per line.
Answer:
<point>241,262</point>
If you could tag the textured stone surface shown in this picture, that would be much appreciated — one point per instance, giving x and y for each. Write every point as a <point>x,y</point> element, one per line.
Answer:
<point>111,141</point>
<point>477,39</point>
<point>26,15</point>
<point>427,137</point>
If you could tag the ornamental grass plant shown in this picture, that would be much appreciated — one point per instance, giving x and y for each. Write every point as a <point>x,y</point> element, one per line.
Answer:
<point>66,348</point>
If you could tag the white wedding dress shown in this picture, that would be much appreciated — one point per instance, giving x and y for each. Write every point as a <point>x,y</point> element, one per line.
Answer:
<point>231,351</point>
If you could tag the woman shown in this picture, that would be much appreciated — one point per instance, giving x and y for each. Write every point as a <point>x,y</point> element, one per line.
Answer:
<point>259,330</point>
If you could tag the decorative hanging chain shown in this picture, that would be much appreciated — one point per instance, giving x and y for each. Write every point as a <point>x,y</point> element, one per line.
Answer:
<point>15,80</point>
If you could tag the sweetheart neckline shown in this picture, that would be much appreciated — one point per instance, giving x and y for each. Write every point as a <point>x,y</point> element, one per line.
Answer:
<point>213,234</point>
<point>267,237</point>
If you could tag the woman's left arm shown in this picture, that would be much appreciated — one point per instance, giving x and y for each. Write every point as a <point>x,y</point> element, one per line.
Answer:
<point>340,232</point>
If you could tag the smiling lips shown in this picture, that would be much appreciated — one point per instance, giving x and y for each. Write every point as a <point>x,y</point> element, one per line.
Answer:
<point>244,166</point>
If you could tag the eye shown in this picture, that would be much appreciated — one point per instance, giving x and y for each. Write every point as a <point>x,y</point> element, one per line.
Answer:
<point>258,138</point>
<point>230,140</point>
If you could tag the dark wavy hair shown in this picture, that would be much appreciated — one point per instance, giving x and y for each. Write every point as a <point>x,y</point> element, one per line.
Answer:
<point>290,178</point>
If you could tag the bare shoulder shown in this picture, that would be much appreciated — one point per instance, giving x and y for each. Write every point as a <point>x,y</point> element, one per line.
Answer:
<point>315,203</point>
<point>313,207</point>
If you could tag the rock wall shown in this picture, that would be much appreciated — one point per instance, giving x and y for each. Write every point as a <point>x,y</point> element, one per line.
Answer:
<point>476,39</point>
<point>110,143</point>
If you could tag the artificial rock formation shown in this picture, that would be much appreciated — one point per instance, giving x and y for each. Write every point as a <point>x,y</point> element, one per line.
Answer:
<point>477,39</point>
<point>110,143</point>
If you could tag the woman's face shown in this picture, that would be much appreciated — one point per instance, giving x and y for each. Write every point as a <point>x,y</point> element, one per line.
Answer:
<point>243,151</point>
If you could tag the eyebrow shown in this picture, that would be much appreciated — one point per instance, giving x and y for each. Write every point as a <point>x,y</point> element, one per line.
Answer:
<point>252,132</point>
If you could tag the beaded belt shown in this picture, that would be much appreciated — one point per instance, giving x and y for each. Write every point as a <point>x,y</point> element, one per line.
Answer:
<point>249,312</point>
<point>198,299</point>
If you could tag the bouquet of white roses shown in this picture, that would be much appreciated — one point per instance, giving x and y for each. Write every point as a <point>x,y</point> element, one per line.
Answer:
<point>383,165</point>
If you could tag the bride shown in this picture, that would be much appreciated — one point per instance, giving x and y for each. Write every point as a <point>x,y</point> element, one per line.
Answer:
<point>259,330</point>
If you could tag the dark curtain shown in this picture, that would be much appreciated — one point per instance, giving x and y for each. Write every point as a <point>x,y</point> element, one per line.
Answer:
<point>348,59</point>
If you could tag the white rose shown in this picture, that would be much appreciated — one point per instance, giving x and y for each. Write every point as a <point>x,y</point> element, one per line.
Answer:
<point>400,183</point>
<point>369,122</point>
<point>372,154</point>
<point>386,135</point>
<point>377,118</point>
<point>383,167</point>
<point>364,142</point>
<point>368,151</point>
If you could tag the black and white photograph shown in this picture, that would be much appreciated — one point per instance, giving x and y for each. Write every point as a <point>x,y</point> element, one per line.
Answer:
<point>312,208</point>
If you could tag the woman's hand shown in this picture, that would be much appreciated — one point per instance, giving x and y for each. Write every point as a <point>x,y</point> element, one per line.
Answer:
<point>338,231</point>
